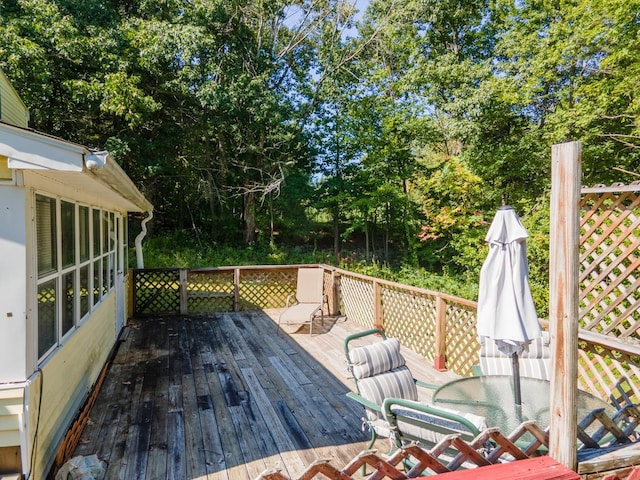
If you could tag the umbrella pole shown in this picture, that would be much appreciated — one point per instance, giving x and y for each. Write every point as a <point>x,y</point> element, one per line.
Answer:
<point>516,379</point>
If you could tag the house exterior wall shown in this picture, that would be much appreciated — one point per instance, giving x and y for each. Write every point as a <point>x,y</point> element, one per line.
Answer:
<point>13,275</point>
<point>67,378</point>
<point>69,273</point>
<point>67,374</point>
<point>12,110</point>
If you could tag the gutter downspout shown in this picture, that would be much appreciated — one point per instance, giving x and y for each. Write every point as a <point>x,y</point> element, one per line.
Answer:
<point>108,171</point>
<point>139,238</point>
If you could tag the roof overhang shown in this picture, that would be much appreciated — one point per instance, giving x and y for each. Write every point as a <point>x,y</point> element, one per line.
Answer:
<point>70,163</point>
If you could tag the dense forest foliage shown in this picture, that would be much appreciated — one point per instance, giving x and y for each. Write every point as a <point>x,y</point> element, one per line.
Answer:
<point>291,123</point>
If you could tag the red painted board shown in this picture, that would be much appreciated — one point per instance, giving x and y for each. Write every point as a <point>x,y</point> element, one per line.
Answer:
<point>539,468</point>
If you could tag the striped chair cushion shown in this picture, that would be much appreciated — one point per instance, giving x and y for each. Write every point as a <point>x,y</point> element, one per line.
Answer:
<point>376,358</point>
<point>397,383</point>
<point>534,362</point>
<point>430,429</point>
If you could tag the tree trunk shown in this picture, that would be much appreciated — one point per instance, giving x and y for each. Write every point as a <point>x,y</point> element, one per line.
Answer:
<point>336,232</point>
<point>374,224</point>
<point>212,203</point>
<point>271,227</point>
<point>366,239</point>
<point>249,215</point>
<point>387,232</point>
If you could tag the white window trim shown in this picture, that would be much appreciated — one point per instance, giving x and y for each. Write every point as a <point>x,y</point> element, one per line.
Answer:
<point>106,254</point>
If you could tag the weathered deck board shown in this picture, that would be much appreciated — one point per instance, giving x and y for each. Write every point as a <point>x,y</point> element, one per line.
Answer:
<point>224,397</point>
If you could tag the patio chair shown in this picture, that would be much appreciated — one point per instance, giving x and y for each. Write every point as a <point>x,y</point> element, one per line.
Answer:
<point>388,392</point>
<point>306,304</point>
<point>534,362</point>
<point>623,394</point>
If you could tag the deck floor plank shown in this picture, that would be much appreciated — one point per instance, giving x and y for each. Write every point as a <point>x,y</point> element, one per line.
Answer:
<point>158,384</point>
<point>212,446</point>
<point>224,397</point>
<point>224,393</point>
<point>176,467</point>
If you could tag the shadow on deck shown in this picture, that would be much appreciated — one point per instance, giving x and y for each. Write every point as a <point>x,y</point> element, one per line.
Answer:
<point>224,397</point>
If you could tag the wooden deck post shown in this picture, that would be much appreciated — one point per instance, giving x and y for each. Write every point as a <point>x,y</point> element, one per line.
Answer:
<point>440,359</point>
<point>335,293</point>
<point>378,321</point>
<point>184,294</point>
<point>563,299</point>
<point>236,289</point>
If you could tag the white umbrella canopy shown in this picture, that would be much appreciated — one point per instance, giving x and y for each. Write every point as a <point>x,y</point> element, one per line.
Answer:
<point>506,312</point>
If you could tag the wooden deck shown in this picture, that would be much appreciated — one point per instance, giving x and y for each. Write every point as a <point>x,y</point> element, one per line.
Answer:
<point>225,397</point>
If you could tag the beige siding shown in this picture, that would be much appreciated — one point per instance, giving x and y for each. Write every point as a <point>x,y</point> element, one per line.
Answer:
<point>12,110</point>
<point>11,406</point>
<point>67,379</point>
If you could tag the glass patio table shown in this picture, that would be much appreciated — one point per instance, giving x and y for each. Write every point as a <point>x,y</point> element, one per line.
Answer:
<point>492,397</point>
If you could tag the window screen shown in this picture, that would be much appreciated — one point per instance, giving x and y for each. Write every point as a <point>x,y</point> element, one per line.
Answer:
<point>46,235</point>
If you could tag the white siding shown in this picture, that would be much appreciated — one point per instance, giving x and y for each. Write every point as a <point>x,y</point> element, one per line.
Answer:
<point>11,407</point>
<point>13,275</point>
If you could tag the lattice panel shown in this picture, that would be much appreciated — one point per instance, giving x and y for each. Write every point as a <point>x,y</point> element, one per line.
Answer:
<point>356,296</point>
<point>210,291</point>
<point>609,262</point>
<point>210,304</point>
<point>156,292</point>
<point>528,442</point>
<point>600,368</point>
<point>462,339</point>
<point>266,288</point>
<point>329,292</point>
<point>410,317</point>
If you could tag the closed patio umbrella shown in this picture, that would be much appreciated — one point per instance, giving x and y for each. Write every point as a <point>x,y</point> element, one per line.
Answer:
<point>506,313</point>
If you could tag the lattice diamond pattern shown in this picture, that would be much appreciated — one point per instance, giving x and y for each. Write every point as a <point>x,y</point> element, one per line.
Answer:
<point>266,288</point>
<point>214,281</point>
<point>609,262</point>
<point>211,304</point>
<point>357,300</point>
<point>410,317</point>
<point>462,343</point>
<point>600,368</point>
<point>156,291</point>
<point>210,291</point>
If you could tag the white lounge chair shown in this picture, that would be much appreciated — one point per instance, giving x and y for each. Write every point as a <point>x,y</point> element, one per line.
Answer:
<point>306,304</point>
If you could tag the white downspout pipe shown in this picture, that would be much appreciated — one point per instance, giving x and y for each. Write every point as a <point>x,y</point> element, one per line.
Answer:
<point>139,238</point>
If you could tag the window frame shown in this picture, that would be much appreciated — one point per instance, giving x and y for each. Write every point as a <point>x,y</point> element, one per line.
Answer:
<point>103,258</point>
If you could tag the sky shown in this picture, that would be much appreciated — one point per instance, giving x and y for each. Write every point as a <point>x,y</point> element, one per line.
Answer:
<point>293,15</point>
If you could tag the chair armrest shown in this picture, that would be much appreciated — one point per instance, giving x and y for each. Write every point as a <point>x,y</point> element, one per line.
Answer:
<point>364,402</point>
<point>431,413</point>
<point>290,297</point>
<point>422,384</point>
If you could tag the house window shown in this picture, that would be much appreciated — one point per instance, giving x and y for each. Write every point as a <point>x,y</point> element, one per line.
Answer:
<point>46,316</point>
<point>125,247</point>
<point>68,301</point>
<point>84,248</point>
<point>83,231</point>
<point>46,235</point>
<point>68,214</point>
<point>75,247</point>
<point>85,288</point>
